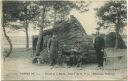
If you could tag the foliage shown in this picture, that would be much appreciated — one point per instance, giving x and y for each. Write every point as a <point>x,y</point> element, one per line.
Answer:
<point>62,8</point>
<point>19,10</point>
<point>28,10</point>
<point>10,10</point>
<point>113,12</point>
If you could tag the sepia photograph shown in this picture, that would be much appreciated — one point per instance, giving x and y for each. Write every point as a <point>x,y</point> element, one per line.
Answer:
<point>64,40</point>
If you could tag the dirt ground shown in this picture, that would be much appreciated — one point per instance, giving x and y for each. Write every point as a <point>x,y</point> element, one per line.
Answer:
<point>19,67</point>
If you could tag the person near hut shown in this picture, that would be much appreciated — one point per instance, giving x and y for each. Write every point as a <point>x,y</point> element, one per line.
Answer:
<point>73,60</point>
<point>99,45</point>
<point>53,47</point>
<point>60,59</point>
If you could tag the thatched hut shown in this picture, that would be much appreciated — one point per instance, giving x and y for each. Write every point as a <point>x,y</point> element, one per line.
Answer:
<point>71,35</point>
<point>110,41</point>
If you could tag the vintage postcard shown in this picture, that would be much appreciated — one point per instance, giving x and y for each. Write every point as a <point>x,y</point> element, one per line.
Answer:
<point>64,40</point>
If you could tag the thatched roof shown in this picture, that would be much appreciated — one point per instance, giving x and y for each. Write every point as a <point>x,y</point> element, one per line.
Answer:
<point>72,36</point>
<point>63,25</point>
<point>55,28</point>
<point>110,41</point>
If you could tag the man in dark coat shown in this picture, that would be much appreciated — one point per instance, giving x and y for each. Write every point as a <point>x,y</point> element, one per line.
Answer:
<point>99,45</point>
<point>53,46</point>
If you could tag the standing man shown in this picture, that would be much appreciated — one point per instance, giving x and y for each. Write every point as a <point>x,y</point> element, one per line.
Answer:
<point>53,49</point>
<point>99,45</point>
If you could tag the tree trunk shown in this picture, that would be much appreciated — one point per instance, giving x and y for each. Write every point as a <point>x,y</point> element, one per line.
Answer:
<point>27,37</point>
<point>9,41</point>
<point>117,38</point>
<point>40,36</point>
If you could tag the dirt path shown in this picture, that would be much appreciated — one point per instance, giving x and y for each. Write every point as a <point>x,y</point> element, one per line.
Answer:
<point>19,67</point>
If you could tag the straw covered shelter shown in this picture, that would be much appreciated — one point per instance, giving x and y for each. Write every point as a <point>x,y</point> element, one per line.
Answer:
<point>71,35</point>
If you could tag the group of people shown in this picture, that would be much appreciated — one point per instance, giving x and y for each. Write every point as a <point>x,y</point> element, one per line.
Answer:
<point>53,47</point>
<point>56,57</point>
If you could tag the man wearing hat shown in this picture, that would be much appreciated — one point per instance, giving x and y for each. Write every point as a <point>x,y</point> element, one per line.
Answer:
<point>99,45</point>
